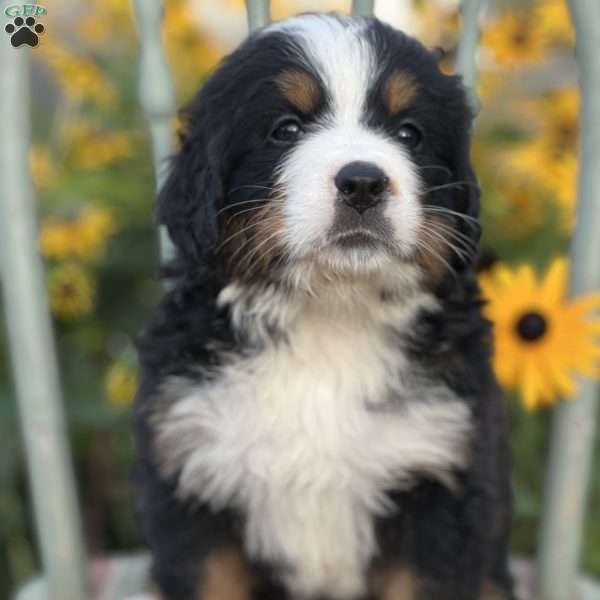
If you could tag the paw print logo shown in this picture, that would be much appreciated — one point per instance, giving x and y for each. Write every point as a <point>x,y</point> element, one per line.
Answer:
<point>24,31</point>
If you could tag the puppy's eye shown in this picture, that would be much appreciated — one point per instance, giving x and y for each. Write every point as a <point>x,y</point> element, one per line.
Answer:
<point>410,135</point>
<point>287,130</point>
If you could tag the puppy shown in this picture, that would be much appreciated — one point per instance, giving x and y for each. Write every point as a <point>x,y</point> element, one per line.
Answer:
<point>317,416</point>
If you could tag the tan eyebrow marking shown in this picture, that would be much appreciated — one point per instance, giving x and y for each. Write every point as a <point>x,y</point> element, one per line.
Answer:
<point>300,88</point>
<point>399,91</point>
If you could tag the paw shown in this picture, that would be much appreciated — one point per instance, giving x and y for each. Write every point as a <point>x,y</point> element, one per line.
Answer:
<point>24,32</point>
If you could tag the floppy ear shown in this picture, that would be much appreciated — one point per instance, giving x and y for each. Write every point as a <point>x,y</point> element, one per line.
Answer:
<point>187,203</point>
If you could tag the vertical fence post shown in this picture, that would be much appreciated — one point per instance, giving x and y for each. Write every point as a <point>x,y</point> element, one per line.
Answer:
<point>157,97</point>
<point>572,440</point>
<point>363,8</point>
<point>259,13</point>
<point>467,48</point>
<point>31,342</point>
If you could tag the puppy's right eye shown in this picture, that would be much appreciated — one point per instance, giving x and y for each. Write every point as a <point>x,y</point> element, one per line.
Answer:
<point>287,130</point>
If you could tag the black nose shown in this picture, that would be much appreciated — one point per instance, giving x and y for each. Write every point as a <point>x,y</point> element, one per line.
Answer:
<point>361,185</point>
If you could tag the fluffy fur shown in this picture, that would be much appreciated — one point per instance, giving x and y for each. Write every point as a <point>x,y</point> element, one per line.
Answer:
<point>317,416</point>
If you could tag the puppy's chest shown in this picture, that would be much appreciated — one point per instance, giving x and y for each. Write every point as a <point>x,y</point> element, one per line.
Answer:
<point>305,438</point>
<point>298,406</point>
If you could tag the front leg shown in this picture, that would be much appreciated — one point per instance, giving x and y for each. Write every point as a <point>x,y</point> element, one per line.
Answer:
<point>430,548</point>
<point>451,541</point>
<point>195,553</point>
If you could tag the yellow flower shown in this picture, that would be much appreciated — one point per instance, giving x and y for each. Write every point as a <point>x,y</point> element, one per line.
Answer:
<point>43,169</point>
<point>515,39</point>
<point>83,237</point>
<point>120,384</point>
<point>488,83</point>
<point>80,79</point>
<point>92,148</point>
<point>438,24</point>
<point>541,339</point>
<point>554,18</point>
<point>555,171</point>
<point>191,52</point>
<point>71,291</point>
<point>564,181</point>
<point>560,120</point>
<point>107,20</point>
<point>523,206</point>
<point>102,150</point>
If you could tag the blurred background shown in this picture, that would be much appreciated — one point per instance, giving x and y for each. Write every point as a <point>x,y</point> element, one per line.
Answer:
<point>91,165</point>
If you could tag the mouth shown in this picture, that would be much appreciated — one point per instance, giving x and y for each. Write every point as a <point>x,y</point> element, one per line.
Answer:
<point>357,238</point>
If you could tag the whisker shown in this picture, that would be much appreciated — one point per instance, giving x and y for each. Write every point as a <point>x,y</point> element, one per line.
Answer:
<point>440,167</point>
<point>253,253</point>
<point>451,185</point>
<point>241,212</point>
<point>252,186</point>
<point>234,235</point>
<point>424,246</point>
<point>230,206</point>
<point>441,209</point>
<point>456,235</point>
<point>250,226</point>
<point>459,252</point>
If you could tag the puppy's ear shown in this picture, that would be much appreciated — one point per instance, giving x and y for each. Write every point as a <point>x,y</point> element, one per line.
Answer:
<point>187,203</point>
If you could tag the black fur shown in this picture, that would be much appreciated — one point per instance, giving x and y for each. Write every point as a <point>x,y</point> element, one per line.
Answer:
<point>454,542</point>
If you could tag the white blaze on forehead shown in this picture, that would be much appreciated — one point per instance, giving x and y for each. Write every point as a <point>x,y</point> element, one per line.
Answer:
<point>338,50</point>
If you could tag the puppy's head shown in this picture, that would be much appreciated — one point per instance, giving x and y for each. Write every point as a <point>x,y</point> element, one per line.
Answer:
<point>326,144</point>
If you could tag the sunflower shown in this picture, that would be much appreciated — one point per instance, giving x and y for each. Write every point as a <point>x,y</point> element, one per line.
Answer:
<point>541,339</point>
<point>71,291</point>
<point>515,39</point>
<point>120,383</point>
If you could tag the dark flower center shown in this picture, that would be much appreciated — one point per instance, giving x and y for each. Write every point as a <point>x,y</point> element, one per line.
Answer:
<point>531,326</point>
<point>520,36</point>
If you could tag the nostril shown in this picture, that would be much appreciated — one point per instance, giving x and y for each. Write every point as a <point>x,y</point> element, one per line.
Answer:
<point>347,188</point>
<point>378,186</point>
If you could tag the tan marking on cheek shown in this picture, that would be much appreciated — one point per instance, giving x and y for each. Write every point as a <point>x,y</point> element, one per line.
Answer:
<point>250,243</point>
<point>300,88</point>
<point>400,90</point>
<point>395,583</point>
<point>489,591</point>
<point>226,576</point>
<point>434,251</point>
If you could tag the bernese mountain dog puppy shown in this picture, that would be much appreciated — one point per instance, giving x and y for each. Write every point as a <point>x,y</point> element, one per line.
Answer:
<point>317,416</point>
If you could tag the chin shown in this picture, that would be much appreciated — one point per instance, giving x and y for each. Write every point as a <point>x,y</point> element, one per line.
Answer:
<point>317,416</point>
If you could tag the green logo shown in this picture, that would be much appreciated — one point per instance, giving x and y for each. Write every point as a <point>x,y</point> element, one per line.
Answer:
<point>25,10</point>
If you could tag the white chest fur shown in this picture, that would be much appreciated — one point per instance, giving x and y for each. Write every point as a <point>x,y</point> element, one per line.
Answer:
<point>302,438</point>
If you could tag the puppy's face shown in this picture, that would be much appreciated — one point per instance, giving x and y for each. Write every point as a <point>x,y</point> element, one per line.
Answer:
<point>331,144</point>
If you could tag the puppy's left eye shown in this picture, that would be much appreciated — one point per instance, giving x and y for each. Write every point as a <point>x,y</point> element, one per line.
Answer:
<point>287,130</point>
<point>410,135</point>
